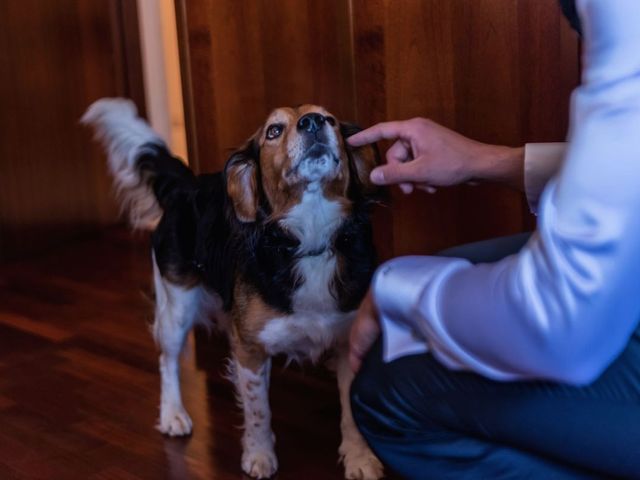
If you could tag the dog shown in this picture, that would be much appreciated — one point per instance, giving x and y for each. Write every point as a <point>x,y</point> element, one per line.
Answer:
<point>276,249</point>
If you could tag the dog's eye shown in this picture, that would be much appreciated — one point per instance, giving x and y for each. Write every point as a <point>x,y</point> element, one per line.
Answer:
<point>274,131</point>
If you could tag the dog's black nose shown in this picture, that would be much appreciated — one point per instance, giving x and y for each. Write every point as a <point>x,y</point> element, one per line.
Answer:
<point>311,122</point>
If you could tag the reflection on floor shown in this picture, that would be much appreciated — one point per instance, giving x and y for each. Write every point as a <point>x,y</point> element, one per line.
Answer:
<point>79,383</point>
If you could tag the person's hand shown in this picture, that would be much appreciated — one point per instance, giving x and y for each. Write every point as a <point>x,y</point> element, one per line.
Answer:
<point>427,155</point>
<point>364,332</point>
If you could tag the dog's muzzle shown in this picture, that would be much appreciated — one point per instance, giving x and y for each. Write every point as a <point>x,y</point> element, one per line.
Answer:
<point>318,163</point>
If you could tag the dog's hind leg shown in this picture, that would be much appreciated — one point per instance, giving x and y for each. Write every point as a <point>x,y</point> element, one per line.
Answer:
<point>359,461</point>
<point>177,309</point>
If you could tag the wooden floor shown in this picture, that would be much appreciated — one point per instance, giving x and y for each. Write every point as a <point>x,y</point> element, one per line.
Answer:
<point>79,382</point>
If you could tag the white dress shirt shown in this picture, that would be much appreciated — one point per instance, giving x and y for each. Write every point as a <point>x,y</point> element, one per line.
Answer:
<point>564,307</point>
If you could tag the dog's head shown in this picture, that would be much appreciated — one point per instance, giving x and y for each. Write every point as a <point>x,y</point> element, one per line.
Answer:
<point>296,150</point>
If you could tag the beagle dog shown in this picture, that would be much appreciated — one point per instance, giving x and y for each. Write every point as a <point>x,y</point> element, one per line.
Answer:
<point>276,250</point>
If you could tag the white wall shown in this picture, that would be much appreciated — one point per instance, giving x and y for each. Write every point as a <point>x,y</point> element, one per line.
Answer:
<point>161,67</point>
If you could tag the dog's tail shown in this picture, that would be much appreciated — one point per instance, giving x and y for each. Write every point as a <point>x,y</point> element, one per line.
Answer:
<point>146,176</point>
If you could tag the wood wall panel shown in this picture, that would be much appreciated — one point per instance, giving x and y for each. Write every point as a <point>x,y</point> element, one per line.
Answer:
<point>56,58</point>
<point>247,57</point>
<point>499,71</point>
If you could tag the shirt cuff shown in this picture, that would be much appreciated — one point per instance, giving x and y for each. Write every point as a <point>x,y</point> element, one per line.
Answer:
<point>541,162</point>
<point>398,286</point>
<point>398,340</point>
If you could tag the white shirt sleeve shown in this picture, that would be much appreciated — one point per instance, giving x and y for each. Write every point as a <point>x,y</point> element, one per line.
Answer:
<point>541,162</point>
<point>567,304</point>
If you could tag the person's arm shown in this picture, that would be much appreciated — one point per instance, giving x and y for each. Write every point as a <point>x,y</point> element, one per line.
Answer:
<point>427,155</point>
<point>566,306</point>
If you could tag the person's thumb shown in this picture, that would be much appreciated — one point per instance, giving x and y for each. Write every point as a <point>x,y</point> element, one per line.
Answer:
<point>393,173</point>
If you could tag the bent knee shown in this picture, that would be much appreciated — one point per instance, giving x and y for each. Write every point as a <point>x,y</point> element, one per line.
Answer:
<point>376,405</point>
<point>365,394</point>
<point>393,398</point>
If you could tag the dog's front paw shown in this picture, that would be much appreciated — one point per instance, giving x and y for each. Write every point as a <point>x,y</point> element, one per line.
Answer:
<point>260,463</point>
<point>360,463</point>
<point>174,421</point>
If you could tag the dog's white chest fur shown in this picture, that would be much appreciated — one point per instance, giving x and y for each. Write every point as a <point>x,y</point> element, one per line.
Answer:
<point>305,335</point>
<point>316,321</point>
<point>314,221</point>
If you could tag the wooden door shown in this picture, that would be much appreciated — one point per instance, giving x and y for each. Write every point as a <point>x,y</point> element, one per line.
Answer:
<point>242,58</point>
<point>500,71</point>
<point>56,57</point>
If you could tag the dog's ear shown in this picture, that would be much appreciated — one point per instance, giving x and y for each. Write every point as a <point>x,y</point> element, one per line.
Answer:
<point>241,178</point>
<point>361,159</point>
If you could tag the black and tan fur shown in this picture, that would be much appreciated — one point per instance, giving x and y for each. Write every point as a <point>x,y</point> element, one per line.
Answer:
<point>277,249</point>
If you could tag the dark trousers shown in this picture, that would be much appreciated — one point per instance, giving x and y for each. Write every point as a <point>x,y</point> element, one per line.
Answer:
<point>427,422</point>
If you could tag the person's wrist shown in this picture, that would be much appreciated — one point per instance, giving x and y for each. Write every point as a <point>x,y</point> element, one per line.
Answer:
<point>501,164</point>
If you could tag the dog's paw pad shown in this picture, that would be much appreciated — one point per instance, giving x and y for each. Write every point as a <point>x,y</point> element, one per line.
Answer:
<point>175,422</point>
<point>260,464</point>
<point>362,464</point>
